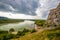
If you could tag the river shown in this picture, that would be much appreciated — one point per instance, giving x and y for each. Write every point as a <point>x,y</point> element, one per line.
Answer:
<point>18,26</point>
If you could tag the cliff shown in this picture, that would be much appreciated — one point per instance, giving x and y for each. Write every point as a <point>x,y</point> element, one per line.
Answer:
<point>54,16</point>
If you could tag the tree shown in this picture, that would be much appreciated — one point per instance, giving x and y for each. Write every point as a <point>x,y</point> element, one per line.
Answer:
<point>11,30</point>
<point>40,22</point>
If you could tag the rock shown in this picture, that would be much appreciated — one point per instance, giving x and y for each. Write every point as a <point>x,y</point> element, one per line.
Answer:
<point>54,16</point>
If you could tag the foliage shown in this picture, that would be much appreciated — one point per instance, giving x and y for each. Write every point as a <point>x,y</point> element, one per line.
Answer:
<point>21,33</point>
<point>3,32</point>
<point>4,35</point>
<point>40,22</point>
<point>33,30</point>
<point>11,30</point>
<point>25,30</point>
<point>52,34</point>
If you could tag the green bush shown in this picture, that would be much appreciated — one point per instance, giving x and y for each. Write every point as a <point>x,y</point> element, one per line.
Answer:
<point>9,36</point>
<point>25,30</point>
<point>33,30</point>
<point>11,30</point>
<point>3,32</point>
<point>5,36</point>
<point>41,23</point>
<point>21,33</point>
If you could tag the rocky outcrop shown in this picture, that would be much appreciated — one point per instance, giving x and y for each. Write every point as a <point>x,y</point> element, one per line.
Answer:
<point>54,16</point>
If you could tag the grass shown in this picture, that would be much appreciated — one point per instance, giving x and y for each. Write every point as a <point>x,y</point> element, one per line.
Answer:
<point>42,35</point>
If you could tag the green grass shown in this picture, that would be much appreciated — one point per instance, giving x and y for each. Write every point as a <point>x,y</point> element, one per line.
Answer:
<point>52,34</point>
<point>43,34</point>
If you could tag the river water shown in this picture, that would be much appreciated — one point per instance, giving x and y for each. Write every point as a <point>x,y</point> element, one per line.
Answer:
<point>18,26</point>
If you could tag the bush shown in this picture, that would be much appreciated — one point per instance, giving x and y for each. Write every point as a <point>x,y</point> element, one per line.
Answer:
<point>9,36</point>
<point>3,32</point>
<point>33,30</point>
<point>25,30</point>
<point>21,33</point>
<point>11,30</point>
<point>40,23</point>
<point>5,38</point>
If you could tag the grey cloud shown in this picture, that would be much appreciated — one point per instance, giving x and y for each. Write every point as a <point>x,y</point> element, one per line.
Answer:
<point>47,6</point>
<point>21,6</point>
<point>28,7</point>
<point>4,7</point>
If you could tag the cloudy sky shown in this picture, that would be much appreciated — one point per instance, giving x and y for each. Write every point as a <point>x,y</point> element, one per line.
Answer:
<point>27,9</point>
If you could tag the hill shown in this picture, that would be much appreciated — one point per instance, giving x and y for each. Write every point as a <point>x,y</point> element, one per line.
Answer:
<point>1,18</point>
<point>5,20</point>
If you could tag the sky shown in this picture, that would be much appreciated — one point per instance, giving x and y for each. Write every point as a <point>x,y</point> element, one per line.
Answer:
<point>27,9</point>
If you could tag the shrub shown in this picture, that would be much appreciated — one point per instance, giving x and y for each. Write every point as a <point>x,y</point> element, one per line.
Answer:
<point>21,33</point>
<point>25,30</point>
<point>11,30</point>
<point>40,23</point>
<point>33,30</point>
<point>3,32</point>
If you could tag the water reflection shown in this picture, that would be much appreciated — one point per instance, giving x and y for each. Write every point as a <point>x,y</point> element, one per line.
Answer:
<point>18,26</point>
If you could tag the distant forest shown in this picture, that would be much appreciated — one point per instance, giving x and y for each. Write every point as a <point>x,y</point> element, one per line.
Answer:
<point>5,21</point>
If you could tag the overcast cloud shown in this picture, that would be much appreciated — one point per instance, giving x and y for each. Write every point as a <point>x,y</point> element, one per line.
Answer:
<point>27,9</point>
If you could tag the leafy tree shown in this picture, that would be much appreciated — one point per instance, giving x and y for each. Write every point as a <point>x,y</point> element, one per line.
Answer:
<point>11,30</point>
<point>40,22</point>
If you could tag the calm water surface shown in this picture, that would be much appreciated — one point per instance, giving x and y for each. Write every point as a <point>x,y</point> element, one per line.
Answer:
<point>18,26</point>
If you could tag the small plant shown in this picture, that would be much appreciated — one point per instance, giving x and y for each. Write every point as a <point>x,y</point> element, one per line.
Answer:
<point>33,30</point>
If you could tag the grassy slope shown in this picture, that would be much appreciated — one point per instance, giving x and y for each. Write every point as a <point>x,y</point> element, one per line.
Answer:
<point>53,34</point>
